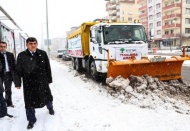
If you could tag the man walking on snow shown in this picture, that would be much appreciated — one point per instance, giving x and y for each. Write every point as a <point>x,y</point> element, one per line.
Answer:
<point>34,68</point>
<point>8,61</point>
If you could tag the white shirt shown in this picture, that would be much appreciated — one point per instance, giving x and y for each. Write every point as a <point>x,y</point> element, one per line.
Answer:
<point>6,62</point>
<point>32,52</point>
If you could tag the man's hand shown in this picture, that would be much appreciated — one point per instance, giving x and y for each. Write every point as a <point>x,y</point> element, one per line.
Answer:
<point>18,87</point>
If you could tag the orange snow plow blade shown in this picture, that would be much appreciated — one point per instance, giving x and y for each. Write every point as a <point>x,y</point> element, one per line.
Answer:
<point>162,68</point>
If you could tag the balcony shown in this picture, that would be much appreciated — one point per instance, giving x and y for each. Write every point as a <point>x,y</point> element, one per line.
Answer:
<point>171,26</point>
<point>170,35</point>
<point>172,6</point>
<point>145,23</point>
<point>114,18</point>
<point>113,6</point>
<point>113,1</point>
<point>113,12</point>
<point>140,1</point>
<point>109,9</point>
<point>142,8</point>
<point>167,35</point>
<point>143,15</point>
<point>171,16</point>
<point>126,1</point>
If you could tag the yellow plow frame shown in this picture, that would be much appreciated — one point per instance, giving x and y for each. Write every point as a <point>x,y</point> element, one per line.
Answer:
<point>166,69</point>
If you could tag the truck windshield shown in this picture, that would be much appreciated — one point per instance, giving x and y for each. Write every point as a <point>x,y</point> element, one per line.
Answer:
<point>124,33</point>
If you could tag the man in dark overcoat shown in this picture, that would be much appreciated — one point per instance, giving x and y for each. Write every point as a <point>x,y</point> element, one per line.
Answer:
<point>8,61</point>
<point>33,67</point>
<point>3,105</point>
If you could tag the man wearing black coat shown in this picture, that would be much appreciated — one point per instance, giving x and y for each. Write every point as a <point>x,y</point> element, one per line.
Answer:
<point>8,61</point>
<point>3,105</point>
<point>33,67</point>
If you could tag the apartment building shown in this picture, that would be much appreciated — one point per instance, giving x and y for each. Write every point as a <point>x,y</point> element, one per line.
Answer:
<point>168,20</point>
<point>122,10</point>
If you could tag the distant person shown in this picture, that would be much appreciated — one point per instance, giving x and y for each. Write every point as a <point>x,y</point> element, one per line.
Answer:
<point>33,67</point>
<point>131,36</point>
<point>3,105</point>
<point>8,60</point>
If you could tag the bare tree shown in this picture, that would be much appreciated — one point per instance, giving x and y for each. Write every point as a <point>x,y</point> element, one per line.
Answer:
<point>182,38</point>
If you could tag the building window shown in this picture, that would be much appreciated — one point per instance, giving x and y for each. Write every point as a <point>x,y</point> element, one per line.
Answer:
<point>166,32</point>
<point>121,19</point>
<point>123,12</point>
<point>187,1</point>
<point>158,15</point>
<point>130,19</point>
<point>130,13</point>
<point>158,32</point>
<point>151,25</point>
<point>187,11</point>
<point>159,23</point>
<point>158,6</point>
<point>130,6</point>
<point>150,17</point>
<point>150,9</point>
<point>187,30</point>
<point>166,23</point>
<point>171,31</point>
<point>187,20</point>
<point>149,1</point>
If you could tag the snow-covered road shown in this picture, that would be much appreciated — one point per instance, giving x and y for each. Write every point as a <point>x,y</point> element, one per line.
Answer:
<point>83,105</point>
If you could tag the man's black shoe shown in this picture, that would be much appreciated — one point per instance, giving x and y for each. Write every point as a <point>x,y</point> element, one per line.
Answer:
<point>9,115</point>
<point>51,111</point>
<point>11,106</point>
<point>30,125</point>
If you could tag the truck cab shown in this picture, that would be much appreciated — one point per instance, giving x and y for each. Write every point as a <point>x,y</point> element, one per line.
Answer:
<point>123,40</point>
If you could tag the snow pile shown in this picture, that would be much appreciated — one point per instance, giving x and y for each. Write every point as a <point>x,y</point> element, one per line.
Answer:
<point>148,92</point>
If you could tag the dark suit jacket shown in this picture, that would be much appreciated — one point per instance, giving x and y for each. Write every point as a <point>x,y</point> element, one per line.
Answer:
<point>1,77</point>
<point>11,62</point>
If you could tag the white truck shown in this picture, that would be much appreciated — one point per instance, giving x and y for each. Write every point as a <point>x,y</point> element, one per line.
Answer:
<point>93,44</point>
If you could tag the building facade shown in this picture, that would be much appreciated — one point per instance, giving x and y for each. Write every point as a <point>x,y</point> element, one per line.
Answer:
<point>122,10</point>
<point>168,21</point>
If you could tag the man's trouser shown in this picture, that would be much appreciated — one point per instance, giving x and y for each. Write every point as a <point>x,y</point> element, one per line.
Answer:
<point>7,80</point>
<point>30,113</point>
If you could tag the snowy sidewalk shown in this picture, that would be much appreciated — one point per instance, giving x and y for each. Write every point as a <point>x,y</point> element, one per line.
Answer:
<point>83,105</point>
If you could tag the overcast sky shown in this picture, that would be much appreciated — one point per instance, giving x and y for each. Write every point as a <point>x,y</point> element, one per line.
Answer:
<point>30,15</point>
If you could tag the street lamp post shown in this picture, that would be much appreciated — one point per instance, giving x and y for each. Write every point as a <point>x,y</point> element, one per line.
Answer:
<point>47,28</point>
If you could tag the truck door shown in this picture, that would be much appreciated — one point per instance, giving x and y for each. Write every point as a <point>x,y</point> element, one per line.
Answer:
<point>96,44</point>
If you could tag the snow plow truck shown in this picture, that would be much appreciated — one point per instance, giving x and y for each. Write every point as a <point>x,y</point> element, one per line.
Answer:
<point>118,49</point>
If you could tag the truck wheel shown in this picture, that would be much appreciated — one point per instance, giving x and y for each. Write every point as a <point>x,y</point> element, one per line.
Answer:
<point>73,63</point>
<point>93,70</point>
<point>78,64</point>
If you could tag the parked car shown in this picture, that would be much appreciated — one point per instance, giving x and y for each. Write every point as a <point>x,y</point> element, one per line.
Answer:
<point>188,48</point>
<point>60,52</point>
<point>65,55</point>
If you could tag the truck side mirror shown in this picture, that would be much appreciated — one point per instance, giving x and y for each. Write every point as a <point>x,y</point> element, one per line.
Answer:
<point>151,37</point>
<point>92,34</point>
<point>92,39</point>
<point>151,34</point>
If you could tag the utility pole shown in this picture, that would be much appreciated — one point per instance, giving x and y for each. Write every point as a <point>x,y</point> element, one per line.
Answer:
<point>47,29</point>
